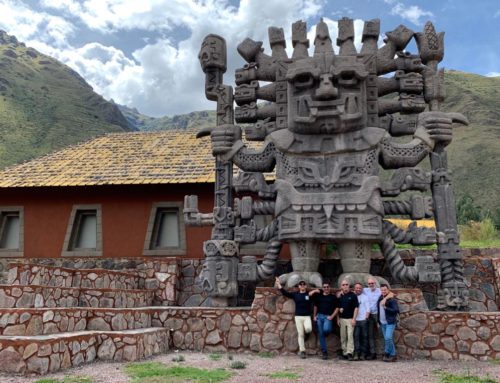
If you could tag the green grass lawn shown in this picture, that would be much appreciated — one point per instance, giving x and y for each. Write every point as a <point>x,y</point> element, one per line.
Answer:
<point>445,377</point>
<point>155,372</point>
<point>67,379</point>
<point>288,375</point>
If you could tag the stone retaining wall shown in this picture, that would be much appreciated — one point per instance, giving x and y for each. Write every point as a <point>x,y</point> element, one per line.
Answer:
<point>176,280</point>
<point>26,274</point>
<point>55,352</point>
<point>34,322</point>
<point>455,335</point>
<point>48,296</point>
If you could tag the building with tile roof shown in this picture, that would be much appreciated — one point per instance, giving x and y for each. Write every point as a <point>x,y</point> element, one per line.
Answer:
<point>118,195</point>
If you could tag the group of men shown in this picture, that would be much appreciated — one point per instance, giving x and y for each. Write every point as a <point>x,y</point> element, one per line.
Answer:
<point>357,310</point>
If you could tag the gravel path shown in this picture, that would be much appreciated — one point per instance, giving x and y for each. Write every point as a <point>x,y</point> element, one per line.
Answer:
<point>312,369</point>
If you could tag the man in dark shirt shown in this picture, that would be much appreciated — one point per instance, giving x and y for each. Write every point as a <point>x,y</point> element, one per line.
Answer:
<point>348,311</point>
<point>324,307</point>
<point>303,322</point>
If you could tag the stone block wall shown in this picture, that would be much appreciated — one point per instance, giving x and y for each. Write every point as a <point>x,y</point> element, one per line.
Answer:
<point>452,335</point>
<point>268,326</point>
<point>33,322</point>
<point>51,353</point>
<point>48,296</point>
<point>28,274</point>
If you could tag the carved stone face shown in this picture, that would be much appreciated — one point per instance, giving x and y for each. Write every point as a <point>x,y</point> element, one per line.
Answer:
<point>327,94</point>
<point>213,53</point>
<point>216,276</point>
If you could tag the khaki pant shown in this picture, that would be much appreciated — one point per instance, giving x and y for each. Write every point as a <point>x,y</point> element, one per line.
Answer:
<point>347,336</point>
<point>304,325</point>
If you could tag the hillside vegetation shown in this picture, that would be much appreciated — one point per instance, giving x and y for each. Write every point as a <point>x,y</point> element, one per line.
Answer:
<point>45,105</point>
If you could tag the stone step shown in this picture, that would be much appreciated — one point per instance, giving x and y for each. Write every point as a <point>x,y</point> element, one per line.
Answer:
<point>44,321</point>
<point>50,353</point>
<point>34,274</point>
<point>49,296</point>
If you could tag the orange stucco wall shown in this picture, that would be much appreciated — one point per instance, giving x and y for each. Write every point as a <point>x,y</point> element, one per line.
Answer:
<point>125,216</point>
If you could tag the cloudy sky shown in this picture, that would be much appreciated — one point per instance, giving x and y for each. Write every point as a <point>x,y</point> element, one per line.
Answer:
<point>143,53</point>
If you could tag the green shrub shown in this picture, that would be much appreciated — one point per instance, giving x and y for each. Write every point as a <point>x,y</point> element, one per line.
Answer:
<point>178,358</point>
<point>215,356</point>
<point>478,231</point>
<point>266,354</point>
<point>238,365</point>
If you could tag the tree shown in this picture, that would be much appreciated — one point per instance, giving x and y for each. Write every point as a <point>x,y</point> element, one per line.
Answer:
<point>467,211</point>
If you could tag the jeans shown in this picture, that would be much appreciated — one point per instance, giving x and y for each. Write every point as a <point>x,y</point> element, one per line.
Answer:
<point>372,333</point>
<point>346,336</point>
<point>361,337</point>
<point>325,327</point>
<point>388,332</point>
<point>304,325</point>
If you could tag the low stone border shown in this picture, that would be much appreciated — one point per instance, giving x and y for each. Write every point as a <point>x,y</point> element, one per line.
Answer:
<point>28,274</point>
<point>51,353</point>
<point>49,296</point>
<point>32,322</point>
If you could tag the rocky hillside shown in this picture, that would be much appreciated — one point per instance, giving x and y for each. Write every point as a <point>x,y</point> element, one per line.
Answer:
<point>45,105</point>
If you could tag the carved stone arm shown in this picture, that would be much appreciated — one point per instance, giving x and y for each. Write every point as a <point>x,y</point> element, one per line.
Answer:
<point>395,155</point>
<point>260,160</point>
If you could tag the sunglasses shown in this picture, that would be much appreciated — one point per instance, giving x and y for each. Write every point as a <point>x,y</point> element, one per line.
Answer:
<point>302,284</point>
<point>345,284</point>
<point>371,283</point>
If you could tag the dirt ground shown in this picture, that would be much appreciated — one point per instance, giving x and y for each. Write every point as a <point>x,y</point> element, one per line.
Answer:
<point>312,369</point>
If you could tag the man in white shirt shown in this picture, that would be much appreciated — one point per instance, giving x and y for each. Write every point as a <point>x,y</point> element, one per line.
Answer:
<point>361,327</point>
<point>372,292</point>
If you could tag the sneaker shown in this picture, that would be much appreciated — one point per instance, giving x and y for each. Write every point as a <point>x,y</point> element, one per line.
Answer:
<point>349,357</point>
<point>392,359</point>
<point>385,358</point>
<point>356,357</point>
<point>362,357</point>
<point>342,357</point>
<point>324,356</point>
<point>371,357</point>
<point>302,355</point>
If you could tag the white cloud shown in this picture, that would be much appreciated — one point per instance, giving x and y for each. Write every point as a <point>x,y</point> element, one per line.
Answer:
<point>162,77</point>
<point>28,25</point>
<point>497,14</point>
<point>493,74</point>
<point>412,13</point>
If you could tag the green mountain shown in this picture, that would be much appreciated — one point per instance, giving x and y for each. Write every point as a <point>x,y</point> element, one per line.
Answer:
<point>45,105</point>
<point>181,121</point>
<point>474,155</point>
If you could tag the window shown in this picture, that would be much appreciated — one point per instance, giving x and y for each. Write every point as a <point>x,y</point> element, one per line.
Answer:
<point>11,231</point>
<point>166,233</point>
<point>84,232</point>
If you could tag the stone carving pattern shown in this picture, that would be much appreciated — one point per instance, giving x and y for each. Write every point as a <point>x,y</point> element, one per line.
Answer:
<point>327,133</point>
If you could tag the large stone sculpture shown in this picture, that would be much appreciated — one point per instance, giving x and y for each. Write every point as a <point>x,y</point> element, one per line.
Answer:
<point>329,122</point>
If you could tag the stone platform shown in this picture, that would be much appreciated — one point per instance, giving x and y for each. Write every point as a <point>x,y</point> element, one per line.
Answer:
<point>85,308</point>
